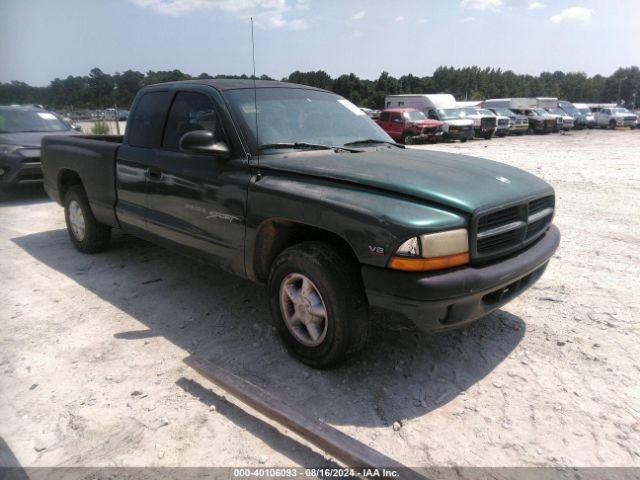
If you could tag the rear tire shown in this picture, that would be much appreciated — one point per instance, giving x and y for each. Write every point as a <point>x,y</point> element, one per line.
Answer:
<point>612,124</point>
<point>334,286</point>
<point>87,234</point>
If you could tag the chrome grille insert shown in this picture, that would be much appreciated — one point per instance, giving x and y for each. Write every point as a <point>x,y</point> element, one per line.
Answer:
<point>501,232</point>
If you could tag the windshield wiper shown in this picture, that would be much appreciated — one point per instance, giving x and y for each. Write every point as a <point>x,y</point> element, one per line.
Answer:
<point>369,141</point>
<point>304,146</point>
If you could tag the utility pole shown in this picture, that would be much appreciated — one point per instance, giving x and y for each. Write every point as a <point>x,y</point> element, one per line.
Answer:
<point>620,88</point>
<point>115,113</point>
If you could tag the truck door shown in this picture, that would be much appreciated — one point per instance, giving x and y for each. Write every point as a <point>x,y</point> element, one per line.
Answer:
<point>136,153</point>
<point>198,200</point>
<point>383,121</point>
<point>396,125</point>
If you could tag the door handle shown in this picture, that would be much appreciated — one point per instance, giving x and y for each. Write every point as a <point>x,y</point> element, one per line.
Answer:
<point>154,173</point>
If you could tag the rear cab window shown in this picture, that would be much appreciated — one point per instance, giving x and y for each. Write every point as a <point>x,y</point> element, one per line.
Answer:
<point>147,119</point>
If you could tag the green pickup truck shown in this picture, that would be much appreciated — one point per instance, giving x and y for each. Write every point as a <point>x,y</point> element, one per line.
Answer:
<point>296,188</point>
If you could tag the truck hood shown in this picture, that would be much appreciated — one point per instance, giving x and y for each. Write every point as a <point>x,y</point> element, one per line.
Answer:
<point>458,181</point>
<point>427,123</point>
<point>30,139</point>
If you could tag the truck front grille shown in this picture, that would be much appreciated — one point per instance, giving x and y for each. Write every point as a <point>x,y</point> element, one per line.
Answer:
<point>488,122</point>
<point>500,232</point>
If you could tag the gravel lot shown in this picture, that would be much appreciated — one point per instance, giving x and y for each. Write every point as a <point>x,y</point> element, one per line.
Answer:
<point>91,347</point>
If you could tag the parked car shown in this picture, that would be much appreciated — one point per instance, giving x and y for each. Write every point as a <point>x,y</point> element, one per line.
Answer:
<point>540,117</point>
<point>503,122</point>
<point>484,124</point>
<point>441,107</point>
<point>583,117</point>
<point>539,120</point>
<point>408,125</point>
<point>318,203</point>
<point>546,103</point>
<point>616,117</point>
<point>567,120</point>
<point>21,131</point>
<point>112,113</point>
<point>518,124</point>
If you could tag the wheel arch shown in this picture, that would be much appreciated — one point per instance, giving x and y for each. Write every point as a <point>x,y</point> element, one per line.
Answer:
<point>66,179</point>
<point>275,235</point>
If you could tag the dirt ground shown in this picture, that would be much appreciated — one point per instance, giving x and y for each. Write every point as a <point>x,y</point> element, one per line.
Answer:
<point>91,347</point>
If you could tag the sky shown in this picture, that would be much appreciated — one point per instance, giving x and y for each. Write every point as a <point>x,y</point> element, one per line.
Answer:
<point>44,39</point>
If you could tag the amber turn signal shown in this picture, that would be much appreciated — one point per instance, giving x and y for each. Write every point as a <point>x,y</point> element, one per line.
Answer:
<point>416,264</point>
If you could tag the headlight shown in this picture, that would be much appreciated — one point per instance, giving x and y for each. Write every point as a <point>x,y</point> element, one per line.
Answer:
<point>433,251</point>
<point>9,148</point>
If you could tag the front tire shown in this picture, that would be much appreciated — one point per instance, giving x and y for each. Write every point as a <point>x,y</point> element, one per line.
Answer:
<point>612,124</point>
<point>318,303</point>
<point>87,234</point>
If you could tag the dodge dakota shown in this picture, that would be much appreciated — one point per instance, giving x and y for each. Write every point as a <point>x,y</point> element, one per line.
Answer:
<point>298,189</point>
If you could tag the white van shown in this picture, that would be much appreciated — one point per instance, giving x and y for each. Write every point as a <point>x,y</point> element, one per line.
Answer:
<point>440,106</point>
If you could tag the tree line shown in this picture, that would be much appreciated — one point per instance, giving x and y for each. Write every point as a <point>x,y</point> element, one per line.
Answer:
<point>99,90</point>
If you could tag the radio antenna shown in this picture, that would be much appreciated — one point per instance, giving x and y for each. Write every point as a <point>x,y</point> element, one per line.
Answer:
<point>255,89</point>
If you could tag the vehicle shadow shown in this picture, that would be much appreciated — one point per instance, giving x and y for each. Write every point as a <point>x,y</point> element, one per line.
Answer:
<point>10,467</point>
<point>28,194</point>
<point>402,374</point>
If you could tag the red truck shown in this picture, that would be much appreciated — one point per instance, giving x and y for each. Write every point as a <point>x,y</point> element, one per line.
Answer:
<point>408,125</point>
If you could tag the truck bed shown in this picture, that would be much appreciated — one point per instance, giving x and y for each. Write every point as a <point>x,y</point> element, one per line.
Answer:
<point>93,159</point>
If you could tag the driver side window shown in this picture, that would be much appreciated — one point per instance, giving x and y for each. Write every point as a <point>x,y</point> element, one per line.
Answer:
<point>396,118</point>
<point>190,111</point>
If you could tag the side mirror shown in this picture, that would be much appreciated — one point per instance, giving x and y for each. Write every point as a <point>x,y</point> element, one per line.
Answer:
<point>77,128</point>
<point>204,141</point>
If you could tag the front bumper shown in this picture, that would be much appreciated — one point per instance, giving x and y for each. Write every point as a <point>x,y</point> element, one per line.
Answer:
<point>439,301</point>
<point>519,127</point>
<point>626,123</point>
<point>17,169</point>
<point>459,134</point>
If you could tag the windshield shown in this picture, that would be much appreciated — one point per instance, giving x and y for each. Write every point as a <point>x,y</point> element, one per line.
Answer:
<point>619,110</point>
<point>585,111</point>
<point>297,115</point>
<point>504,111</point>
<point>414,116</point>
<point>450,113</point>
<point>556,111</point>
<point>466,111</point>
<point>17,121</point>
<point>539,111</point>
<point>484,111</point>
<point>571,110</point>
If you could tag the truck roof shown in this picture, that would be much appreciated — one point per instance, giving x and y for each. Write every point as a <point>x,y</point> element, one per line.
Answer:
<point>401,109</point>
<point>235,84</point>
